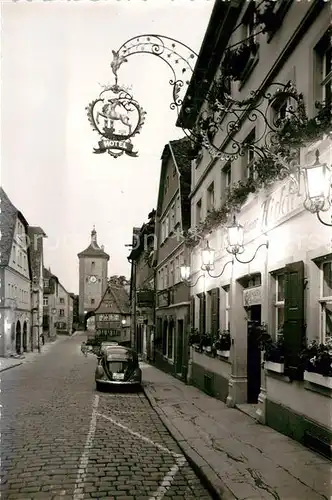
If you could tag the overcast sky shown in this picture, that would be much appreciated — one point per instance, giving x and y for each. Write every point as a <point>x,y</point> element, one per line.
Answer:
<point>55,55</point>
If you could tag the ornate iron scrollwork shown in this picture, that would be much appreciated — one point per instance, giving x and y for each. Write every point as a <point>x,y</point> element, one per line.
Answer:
<point>270,111</point>
<point>178,56</point>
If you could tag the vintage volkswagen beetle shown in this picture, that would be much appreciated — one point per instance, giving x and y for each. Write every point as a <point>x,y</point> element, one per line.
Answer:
<point>118,366</point>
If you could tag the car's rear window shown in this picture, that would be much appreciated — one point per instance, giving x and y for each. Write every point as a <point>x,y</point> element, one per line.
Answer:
<point>117,355</point>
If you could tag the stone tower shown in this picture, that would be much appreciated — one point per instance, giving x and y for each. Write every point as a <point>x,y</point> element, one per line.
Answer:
<point>93,262</point>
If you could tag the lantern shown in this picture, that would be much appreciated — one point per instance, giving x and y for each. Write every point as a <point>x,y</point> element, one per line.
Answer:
<point>207,257</point>
<point>317,182</point>
<point>235,238</point>
<point>185,272</point>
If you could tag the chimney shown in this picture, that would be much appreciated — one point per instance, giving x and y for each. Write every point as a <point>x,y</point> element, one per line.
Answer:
<point>102,247</point>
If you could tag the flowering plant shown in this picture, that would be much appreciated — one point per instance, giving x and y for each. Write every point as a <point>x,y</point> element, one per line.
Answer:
<point>274,350</point>
<point>318,358</point>
<point>194,336</point>
<point>223,342</point>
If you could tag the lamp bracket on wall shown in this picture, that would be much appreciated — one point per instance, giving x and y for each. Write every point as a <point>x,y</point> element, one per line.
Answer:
<point>266,244</point>
<point>188,281</point>
<point>207,269</point>
<point>322,221</point>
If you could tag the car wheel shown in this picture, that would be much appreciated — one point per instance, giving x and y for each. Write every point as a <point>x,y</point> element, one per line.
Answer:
<point>98,386</point>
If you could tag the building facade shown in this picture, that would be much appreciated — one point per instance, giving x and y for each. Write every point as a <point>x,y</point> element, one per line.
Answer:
<point>36,235</point>
<point>58,307</point>
<point>15,269</point>
<point>112,316</point>
<point>172,296</point>
<point>142,288</point>
<point>93,262</point>
<point>283,279</point>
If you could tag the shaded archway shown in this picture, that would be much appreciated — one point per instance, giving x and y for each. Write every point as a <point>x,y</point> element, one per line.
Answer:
<point>18,338</point>
<point>88,315</point>
<point>25,337</point>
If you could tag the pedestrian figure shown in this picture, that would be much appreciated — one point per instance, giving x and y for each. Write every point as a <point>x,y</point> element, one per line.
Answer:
<point>42,338</point>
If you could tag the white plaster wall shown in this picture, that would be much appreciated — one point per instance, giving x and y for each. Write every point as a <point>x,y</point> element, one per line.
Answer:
<point>215,365</point>
<point>293,395</point>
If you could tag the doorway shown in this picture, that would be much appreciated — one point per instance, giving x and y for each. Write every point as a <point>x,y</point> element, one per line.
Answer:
<point>253,354</point>
<point>18,337</point>
<point>25,337</point>
<point>179,357</point>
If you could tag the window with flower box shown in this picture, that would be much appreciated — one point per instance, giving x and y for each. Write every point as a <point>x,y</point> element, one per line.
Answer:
<point>227,308</point>
<point>325,301</point>
<point>279,304</point>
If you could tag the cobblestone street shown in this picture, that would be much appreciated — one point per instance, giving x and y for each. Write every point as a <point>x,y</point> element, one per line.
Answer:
<point>62,439</point>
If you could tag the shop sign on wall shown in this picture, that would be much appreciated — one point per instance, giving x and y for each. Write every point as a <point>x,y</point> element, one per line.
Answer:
<point>252,296</point>
<point>273,209</point>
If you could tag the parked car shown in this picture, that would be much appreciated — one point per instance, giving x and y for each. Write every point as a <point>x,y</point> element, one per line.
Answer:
<point>118,366</point>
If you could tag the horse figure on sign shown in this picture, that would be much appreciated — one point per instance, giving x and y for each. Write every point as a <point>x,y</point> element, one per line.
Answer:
<point>110,114</point>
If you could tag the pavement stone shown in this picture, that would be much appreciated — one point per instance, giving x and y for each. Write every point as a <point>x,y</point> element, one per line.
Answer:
<point>238,457</point>
<point>51,449</point>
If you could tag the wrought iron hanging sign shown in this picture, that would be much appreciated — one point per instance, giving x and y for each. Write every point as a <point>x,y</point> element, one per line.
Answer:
<point>117,117</point>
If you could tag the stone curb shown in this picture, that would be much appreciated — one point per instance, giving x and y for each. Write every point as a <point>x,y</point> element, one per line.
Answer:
<point>216,487</point>
<point>9,367</point>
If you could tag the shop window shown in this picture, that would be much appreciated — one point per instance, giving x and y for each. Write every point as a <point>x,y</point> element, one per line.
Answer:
<point>326,301</point>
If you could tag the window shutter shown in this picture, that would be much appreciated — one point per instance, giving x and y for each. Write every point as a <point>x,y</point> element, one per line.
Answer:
<point>202,312</point>
<point>192,311</point>
<point>215,311</point>
<point>294,330</point>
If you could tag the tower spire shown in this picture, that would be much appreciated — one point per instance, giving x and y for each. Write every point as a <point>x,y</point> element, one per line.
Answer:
<point>94,236</point>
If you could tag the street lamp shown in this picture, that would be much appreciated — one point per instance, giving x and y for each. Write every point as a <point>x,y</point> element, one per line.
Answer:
<point>317,183</point>
<point>207,256</point>
<point>123,322</point>
<point>235,235</point>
